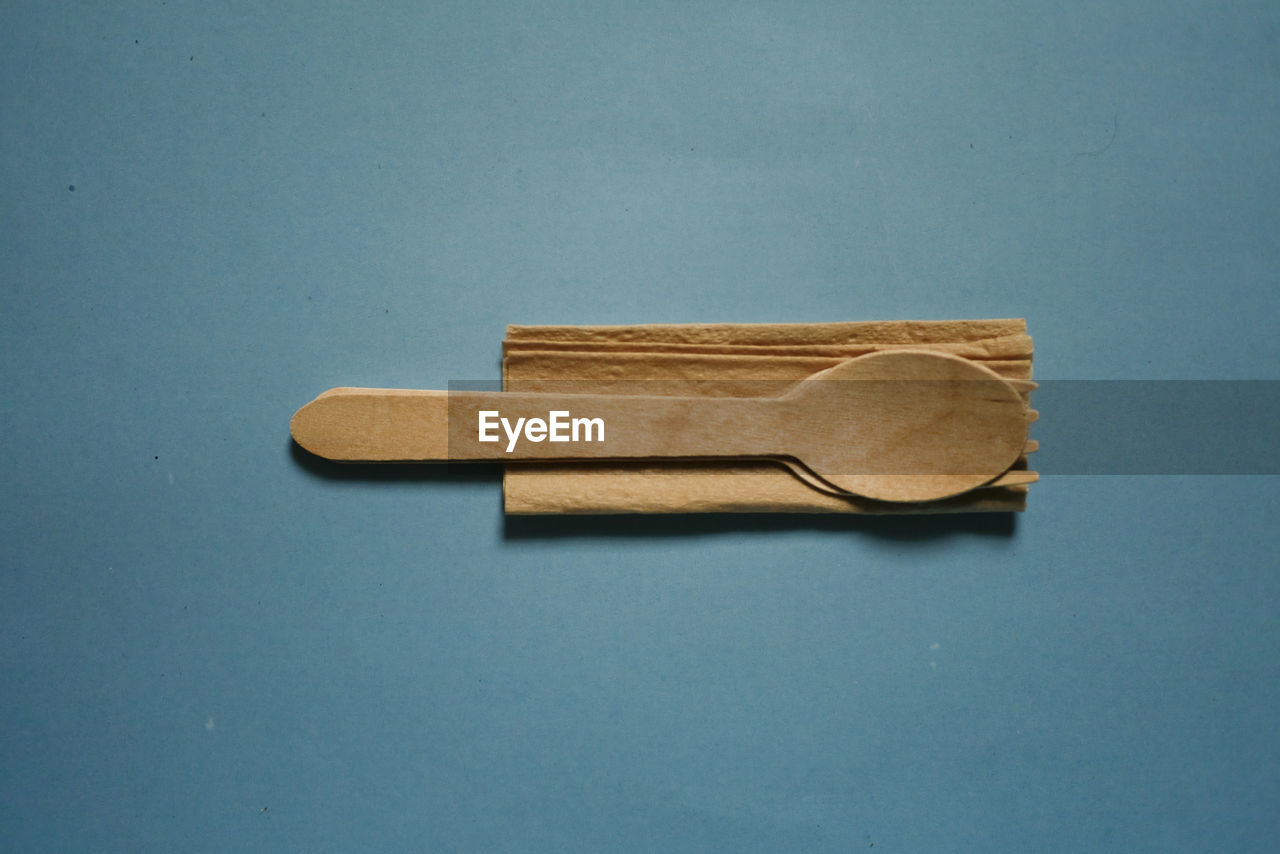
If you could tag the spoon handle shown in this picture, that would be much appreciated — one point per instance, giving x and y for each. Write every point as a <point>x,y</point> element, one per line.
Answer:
<point>386,425</point>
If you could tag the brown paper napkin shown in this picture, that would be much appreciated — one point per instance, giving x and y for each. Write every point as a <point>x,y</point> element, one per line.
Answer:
<point>719,360</point>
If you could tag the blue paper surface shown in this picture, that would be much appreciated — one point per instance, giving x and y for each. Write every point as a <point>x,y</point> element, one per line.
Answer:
<point>213,212</point>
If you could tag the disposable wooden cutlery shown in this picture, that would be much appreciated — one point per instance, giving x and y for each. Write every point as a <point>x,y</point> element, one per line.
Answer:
<point>898,425</point>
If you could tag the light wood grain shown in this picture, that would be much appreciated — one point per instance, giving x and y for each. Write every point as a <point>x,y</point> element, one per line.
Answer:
<point>901,425</point>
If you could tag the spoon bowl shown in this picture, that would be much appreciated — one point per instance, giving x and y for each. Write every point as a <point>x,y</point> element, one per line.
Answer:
<point>906,425</point>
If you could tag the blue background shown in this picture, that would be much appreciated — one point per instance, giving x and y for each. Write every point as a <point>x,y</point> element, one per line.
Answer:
<point>210,643</point>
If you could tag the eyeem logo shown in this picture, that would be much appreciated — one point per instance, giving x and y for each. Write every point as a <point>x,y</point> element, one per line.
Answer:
<point>559,426</point>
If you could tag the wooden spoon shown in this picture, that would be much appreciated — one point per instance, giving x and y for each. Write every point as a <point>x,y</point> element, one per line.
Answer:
<point>900,425</point>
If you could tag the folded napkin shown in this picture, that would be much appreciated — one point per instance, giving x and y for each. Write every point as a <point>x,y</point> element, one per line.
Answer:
<point>724,360</point>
